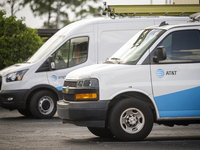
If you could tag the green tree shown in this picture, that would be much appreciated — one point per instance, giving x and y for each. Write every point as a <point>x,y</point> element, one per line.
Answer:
<point>59,14</point>
<point>57,10</point>
<point>84,8</point>
<point>15,5</point>
<point>17,42</point>
<point>41,8</point>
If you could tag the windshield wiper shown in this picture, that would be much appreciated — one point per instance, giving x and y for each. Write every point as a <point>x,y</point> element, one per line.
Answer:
<point>115,58</point>
<point>113,61</point>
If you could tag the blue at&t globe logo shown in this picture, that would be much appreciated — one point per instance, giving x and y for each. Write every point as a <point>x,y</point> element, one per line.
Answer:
<point>160,73</point>
<point>53,77</point>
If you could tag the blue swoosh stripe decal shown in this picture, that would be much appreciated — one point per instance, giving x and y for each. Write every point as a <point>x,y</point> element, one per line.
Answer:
<point>59,88</point>
<point>180,104</point>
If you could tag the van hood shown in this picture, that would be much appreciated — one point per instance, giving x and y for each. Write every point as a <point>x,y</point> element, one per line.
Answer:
<point>15,68</point>
<point>97,70</point>
<point>85,72</point>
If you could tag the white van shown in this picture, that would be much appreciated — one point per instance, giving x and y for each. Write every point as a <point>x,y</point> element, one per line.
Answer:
<point>154,77</point>
<point>34,87</point>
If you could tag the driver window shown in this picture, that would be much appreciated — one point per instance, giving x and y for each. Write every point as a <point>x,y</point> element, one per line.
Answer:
<point>71,53</point>
<point>182,46</point>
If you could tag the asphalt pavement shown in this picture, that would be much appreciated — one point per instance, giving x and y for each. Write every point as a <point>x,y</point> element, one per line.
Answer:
<point>20,133</point>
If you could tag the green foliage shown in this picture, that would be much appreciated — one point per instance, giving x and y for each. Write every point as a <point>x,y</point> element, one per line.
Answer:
<point>17,42</point>
<point>85,8</point>
<point>44,8</point>
<point>57,11</point>
<point>15,5</point>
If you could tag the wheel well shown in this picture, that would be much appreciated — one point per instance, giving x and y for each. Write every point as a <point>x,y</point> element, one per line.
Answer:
<point>137,95</point>
<point>35,91</point>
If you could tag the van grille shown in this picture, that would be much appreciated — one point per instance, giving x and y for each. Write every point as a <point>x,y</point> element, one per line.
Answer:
<point>0,82</point>
<point>70,83</point>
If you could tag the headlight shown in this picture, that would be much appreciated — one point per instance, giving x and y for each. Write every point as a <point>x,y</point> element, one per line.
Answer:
<point>91,89</point>
<point>88,83</point>
<point>15,76</point>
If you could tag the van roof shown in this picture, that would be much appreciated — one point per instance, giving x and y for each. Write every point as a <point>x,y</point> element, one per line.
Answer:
<point>69,28</point>
<point>65,30</point>
<point>170,26</point>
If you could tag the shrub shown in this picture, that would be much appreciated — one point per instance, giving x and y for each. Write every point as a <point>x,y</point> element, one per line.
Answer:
<point>17,41</point>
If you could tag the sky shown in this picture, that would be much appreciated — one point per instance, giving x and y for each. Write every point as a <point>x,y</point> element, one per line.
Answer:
<point>37,22</point>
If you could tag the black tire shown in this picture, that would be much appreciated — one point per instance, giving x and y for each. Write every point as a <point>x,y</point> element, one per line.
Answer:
<point>25,112</point>
<point>101,132</point>
<point>131,120</point>
<point>43,104</point>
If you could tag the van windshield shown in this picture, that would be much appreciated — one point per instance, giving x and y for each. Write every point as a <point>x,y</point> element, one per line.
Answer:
<point>45,48</point>
<point>135,47</point>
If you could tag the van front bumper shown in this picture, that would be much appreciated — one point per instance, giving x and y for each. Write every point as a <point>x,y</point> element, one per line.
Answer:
<point>83,113</point>
<point>12,99</point>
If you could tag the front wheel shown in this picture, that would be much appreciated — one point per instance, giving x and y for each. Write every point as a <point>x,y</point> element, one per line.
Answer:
<point>131,119</point>
<point>25,112</point>
<point>101,132</point>
<point>43,104</point>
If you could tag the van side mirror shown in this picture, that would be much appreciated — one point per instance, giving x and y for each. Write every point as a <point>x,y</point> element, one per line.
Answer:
<point>52,65</point>
<point>160,54</point>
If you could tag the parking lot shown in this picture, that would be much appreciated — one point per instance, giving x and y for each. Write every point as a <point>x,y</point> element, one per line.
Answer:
<point>18,132</point>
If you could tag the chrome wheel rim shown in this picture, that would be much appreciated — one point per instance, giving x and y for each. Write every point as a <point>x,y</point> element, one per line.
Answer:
<point>45,105</point>
<point>132,120</point>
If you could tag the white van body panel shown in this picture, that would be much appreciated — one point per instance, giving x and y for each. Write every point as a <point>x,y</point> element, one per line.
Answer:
<point>111,81</point>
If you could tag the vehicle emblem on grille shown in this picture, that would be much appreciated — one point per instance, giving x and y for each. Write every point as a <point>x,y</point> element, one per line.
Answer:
<point>67,89</point>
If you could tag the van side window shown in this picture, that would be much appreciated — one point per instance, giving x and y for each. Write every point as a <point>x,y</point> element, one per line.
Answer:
<point>182,46</point>
<point>71,53</point>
